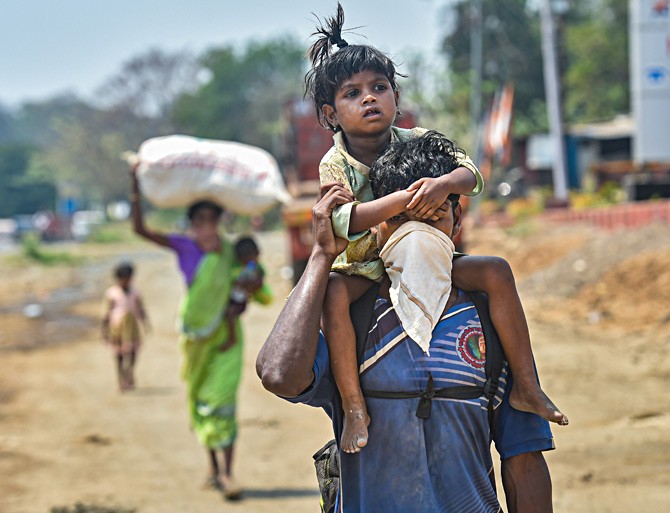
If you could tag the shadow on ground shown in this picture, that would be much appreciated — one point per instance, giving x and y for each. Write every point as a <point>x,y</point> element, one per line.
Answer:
<point>279,493</point>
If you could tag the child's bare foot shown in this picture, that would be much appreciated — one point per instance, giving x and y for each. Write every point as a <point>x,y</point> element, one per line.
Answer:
<point>355,431</point>
<point>124,385</point>
<point>532,399</point>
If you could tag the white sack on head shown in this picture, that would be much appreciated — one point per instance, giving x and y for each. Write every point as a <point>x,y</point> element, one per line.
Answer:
<point>177,170</point>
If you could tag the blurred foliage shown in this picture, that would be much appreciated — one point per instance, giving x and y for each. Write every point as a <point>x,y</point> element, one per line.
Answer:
<point>524,208</point>
<point>166,218</point>
<point>19,193</point>
<point>80,143</point>
<point>110,233</point>
<point>243,99</point>
<point>610,193</point>
<point>596,76</point>
<point>524,227</point>
<point>33,123</point>
<point>238,93</point>
<point>84,161</point>
<point>32,250</point>
<point>148,85</point>
<point>511,52</point>
<point>592,40</point>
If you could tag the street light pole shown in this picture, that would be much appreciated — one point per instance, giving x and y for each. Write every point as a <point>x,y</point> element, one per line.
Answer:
<point>552,88</point>
<point>476,58</point>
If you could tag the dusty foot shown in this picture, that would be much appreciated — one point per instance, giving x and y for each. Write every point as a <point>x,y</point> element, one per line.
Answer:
<point>532,399</point>
<point>212,483</point>
<point>124,386</point>
<point>231,490</point>
<point>355,432</point>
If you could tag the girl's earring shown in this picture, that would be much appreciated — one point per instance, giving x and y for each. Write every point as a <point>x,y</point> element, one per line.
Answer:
<point>398,113</point>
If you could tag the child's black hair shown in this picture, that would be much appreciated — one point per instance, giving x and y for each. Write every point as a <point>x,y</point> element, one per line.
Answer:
<point>404,162</point>
<point>201,205</point>
<point>124,270</point>
<point>246,247</point>
<point>330,69</point>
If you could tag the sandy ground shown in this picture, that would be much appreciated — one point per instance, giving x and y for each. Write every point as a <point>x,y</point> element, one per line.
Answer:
<point>599,312</point>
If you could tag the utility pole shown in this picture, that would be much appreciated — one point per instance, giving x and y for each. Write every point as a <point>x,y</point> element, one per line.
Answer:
<point>552,88</point>
<point>476,44</point>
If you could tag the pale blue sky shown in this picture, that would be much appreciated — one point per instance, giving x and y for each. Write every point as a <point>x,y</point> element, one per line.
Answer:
<point>51,46</point>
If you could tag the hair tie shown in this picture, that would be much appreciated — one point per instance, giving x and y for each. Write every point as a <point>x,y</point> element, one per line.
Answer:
<point>338,41</point>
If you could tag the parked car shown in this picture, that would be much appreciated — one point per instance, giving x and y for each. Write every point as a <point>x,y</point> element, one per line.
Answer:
<point>84,222</point>
<point>23,225</point>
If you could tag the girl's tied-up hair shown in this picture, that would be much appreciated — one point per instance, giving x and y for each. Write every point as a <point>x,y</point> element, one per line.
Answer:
<point>331,68</point>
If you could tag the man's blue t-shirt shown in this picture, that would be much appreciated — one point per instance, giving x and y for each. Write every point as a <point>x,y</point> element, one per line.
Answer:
<point>440,464</point>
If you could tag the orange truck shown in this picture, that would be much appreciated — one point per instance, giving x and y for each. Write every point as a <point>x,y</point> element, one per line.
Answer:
<point>305,143</point>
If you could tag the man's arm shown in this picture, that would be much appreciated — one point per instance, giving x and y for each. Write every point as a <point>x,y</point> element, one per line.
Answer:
<point>285,362</point>
<point>527,483</point>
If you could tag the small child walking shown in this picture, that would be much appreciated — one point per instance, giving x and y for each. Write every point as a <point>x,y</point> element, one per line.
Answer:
<point>124,312</point>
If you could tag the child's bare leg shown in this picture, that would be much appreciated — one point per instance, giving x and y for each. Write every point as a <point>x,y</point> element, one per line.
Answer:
<point>494,276</point>
<point>130,367</point>
<point>231,489</point>
<point>212,480</point>
<point>120,371</point>
<point>339,332</point>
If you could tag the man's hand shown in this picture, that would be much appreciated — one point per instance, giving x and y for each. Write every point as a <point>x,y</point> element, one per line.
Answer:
<point>285,363</point>
<point>330,196</point>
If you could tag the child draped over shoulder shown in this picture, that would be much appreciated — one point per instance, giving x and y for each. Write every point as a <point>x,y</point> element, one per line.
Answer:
<point>124,312</point>
<point>355,95</point>
<point>249,284</point>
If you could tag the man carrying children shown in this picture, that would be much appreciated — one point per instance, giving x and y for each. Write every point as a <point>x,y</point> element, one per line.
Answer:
<point>437,460</point>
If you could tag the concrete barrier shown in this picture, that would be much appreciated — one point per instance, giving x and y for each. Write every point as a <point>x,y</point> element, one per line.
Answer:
<point>614,217</point>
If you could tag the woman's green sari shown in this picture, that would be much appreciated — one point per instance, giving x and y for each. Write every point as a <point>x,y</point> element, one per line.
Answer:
<point>212,376</point>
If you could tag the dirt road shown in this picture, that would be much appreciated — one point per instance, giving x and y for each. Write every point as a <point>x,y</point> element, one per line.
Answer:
<point>67,435</point>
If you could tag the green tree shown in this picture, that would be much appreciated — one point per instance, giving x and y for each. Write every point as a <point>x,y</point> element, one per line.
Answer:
<point>148,84</point>
<point>6,125</point>
<point>597,72</point>
<point>34,121</point>
<point>19,193</point>
<point>511,52</point>
<point>244,96</point>
<point>85,159</point>
<point>80,143</point>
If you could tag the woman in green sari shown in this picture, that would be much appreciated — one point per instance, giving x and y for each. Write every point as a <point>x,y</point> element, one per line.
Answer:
<point>212,359</point>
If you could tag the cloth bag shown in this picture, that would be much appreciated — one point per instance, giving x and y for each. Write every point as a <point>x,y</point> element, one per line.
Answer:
<point>177,170</point>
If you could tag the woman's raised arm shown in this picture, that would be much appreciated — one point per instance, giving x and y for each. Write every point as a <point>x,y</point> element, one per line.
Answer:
<point>138,218</point>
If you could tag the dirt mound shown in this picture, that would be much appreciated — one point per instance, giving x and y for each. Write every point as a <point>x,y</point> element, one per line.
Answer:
<point>617,279</point>
<point>530,249</point>
<point>634,294</point>
<point>587,264</point>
